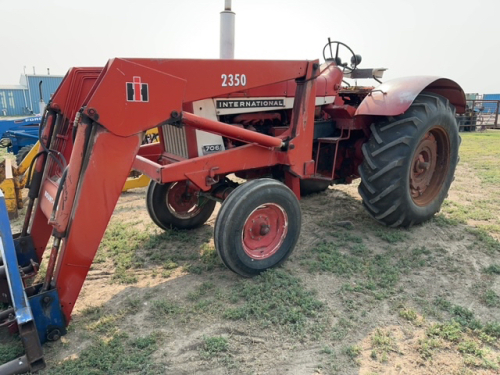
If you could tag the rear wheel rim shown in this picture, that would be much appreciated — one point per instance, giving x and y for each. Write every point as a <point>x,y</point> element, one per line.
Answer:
<point>182,201</point>
<point>429,166</point>
<point>264,231</point>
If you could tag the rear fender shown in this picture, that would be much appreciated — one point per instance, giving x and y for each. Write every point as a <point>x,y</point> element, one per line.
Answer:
<point>394,97</point>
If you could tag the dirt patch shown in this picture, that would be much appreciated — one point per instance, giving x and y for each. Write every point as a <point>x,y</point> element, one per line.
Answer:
<point>362,274</point>
<point>405,356</point>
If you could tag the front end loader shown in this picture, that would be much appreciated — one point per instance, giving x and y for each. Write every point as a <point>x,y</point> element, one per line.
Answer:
<point>288,128</point>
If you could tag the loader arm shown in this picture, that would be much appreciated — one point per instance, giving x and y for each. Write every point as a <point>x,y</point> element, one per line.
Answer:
<point>108,137</point>
<point>92,133</point>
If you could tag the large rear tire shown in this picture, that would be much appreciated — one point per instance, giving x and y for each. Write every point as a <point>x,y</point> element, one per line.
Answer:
<point>409,162</point>
<point>177,205</point>
<point>257,227</point>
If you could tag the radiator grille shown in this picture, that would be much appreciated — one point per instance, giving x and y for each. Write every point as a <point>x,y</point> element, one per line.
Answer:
<point>175,140</point>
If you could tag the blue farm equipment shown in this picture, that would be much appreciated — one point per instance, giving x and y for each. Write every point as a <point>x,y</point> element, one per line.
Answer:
<point>19,135</point>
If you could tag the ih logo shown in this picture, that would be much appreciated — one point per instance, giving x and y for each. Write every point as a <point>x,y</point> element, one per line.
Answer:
<point>137,91</point>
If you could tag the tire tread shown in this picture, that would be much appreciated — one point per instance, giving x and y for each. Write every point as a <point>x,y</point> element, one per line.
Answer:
<point>388,154</point>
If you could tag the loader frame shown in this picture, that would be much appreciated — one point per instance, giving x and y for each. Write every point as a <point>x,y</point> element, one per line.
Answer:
<point>91,138</point>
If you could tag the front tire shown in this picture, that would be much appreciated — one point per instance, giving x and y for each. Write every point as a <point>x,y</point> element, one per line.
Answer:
<point>409,162</point>
<point>257,227</point>
<point>23,151</point>
<point>177,205</point>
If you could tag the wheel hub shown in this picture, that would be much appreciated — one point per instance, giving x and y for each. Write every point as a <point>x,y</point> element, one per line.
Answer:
<point>264,231</point>
<point>428,167</point>
<point>424,165</point>
<point>182,201</point>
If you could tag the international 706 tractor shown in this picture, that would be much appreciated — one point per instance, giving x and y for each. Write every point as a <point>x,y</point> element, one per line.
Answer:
<point>288,128</point>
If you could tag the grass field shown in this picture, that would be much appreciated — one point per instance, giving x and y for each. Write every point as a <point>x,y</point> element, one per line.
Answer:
<point>361,299</point>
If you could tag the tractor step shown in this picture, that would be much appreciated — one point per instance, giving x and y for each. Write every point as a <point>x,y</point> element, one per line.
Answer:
<point>328,172</point>
<point>330,139</point>
<point>319,176</point>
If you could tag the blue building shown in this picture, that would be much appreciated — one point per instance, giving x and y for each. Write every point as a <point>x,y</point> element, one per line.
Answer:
<point>491,107</point>
<point>24,99</point>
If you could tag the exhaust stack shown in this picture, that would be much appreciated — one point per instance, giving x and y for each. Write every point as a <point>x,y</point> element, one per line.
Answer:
<point>227,23</point>
<point>41,105</point>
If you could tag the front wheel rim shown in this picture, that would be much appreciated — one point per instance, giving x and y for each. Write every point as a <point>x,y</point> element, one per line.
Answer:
<point>183,202</point>
<point>264,231</point>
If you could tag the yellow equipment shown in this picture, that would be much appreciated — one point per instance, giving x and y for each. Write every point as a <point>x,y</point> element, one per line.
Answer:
<point>142,180</point>
<point>136,182</point>
<point>13,179</point>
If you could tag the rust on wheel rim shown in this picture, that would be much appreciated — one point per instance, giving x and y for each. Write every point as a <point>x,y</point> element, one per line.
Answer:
<point>264,231</point>
<point>429,166</point>
<point>183,201</point>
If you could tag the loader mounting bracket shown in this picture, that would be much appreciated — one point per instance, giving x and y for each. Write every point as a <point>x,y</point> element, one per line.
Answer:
<point>39,318</point>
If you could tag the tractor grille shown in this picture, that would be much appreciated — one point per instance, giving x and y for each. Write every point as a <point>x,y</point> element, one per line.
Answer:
<point>175,140</point>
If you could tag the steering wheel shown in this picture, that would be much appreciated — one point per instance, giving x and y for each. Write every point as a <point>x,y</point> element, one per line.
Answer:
<point>355,59</point>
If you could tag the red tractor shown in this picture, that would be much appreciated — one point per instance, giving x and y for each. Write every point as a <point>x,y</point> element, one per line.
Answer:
<point>400,138</point>
<point>287,127</point>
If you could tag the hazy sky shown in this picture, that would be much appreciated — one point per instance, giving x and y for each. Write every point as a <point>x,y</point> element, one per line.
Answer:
<point>457,39</point>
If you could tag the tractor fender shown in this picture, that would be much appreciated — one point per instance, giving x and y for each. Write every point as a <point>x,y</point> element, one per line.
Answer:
<point>394,97</point>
